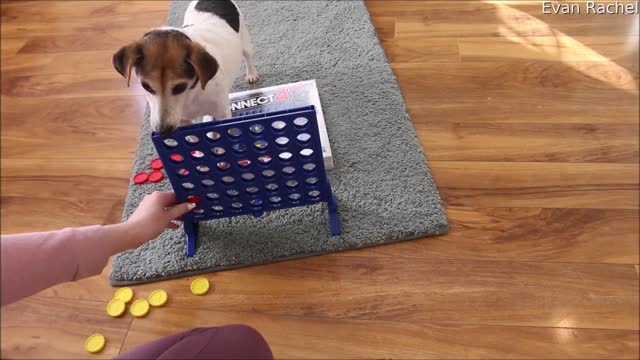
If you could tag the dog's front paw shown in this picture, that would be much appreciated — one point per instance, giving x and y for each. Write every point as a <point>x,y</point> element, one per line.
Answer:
<point>252,78</point>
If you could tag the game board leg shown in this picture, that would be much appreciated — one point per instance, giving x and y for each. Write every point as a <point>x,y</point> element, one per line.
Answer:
<point>332,208</point>
<point>191,229</point>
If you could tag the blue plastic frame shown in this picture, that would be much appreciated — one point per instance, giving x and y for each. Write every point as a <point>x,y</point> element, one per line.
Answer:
<point>240,181</point>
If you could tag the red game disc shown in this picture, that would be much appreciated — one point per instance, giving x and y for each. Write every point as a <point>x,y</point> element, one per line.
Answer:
<point>193,199</point>
<point>140,178</point>
<point>156,176</point>
<point>156,164</point>
<point>176,157</point>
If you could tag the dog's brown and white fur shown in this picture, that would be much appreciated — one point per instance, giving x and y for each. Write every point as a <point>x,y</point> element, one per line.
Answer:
<point>188,72</point>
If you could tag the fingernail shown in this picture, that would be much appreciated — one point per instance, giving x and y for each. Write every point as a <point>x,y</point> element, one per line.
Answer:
<point>191,206</point>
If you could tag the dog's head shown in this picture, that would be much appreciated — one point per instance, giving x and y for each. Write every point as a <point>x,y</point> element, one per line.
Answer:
<point>169,66</point>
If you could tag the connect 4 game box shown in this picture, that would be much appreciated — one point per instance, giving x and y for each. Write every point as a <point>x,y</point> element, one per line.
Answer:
<point>284,97</point>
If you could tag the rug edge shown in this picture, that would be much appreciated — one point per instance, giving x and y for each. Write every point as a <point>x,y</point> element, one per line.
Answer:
<point>442,229</point>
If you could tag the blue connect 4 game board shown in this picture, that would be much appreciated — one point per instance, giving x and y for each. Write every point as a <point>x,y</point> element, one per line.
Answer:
<point>247,165</point>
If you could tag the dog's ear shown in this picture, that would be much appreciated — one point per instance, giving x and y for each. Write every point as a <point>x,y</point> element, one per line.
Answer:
<point>205,65</point>
<point>126,58</point>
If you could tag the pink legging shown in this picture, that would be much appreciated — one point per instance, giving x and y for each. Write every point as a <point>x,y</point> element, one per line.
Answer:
<point>225,342</point>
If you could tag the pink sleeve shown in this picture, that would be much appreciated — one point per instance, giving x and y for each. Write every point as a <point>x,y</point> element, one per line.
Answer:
<point>36,261</point>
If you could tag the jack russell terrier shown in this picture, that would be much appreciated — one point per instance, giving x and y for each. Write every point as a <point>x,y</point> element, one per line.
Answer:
<point>171,62</point>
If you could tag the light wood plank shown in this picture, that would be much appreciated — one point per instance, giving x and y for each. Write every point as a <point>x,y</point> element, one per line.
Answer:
<point>110,40</point>
<point>292,337</point>
<point>542,185</point>
<point>520,76</point>
<point>420,19</point>
<point>75,123</point>
<point>523,106</point>
<point>390,289</point>
<point>70,85</point>
<point>40,328</point>
<point>610,143</point>
<point>543,48</point>
<point>518,234</point>
<point>409,51</point>
<point>59,63</point>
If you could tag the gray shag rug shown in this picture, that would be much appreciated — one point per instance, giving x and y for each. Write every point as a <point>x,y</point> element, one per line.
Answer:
<point>382,183</point>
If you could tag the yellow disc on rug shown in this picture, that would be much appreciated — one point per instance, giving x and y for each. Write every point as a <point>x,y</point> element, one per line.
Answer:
<point>95,343</point>
<point>125,294</point>
<point>158,297</point>
<point>200,286</point>
<point>116,307</point>
<point>139,308</point>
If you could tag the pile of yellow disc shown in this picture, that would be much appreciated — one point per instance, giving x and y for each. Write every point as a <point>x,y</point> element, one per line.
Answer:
<point>139,308</point>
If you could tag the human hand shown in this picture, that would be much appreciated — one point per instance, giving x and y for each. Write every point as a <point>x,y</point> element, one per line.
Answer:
<point>155,213</point>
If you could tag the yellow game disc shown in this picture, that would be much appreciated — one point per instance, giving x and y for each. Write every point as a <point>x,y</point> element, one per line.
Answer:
<point>116,307</point>
<point>125,294</point>
<point>200,286</point>
<point>95,343</point>
<point>139,308</point>
<point>158,297</point>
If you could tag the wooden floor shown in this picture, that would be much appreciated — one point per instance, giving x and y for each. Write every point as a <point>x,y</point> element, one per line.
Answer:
<point>530,124</point>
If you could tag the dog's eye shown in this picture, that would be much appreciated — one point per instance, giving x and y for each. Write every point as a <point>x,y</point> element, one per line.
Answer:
<point>179,89</point>
<point>148,88</point>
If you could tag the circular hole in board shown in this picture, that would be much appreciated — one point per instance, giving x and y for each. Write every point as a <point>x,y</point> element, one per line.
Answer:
<point>207,182</point>
<point>217,208</point>
<point>288,170</point>
<point>295,197</point>
<point>239,148</point>
<point>306,152</point>
<point>218,151</point>
<point>252,190</point>
<point>255,202</point>
<point>223,165</point>
<point>182,172</point>
<point>176,158</point>
<point>191,139</point>
<point>234,132</point>
<point>271,187</point>
<point>228,180</point>
<point>244,163</point>
<point>282,141</point>
<point>301,122</point>
<point>275,199</point>
<point>311,180</point>
<point>260,144</point>
<point>278,125</point>
<point>247,176</point>
<point>198,211</point>
<point>291,184</point>
<point>197,154</point>
<point>256,129</point>
<point>170,143</point>
<point>237,205</point>
<point>309,167</point>
<point>268,173</point>
<point>213,196</point>
<point>314,193</point>
<point>213,135</point>
<point>187,186</point>
<point>232,193</point>
<point>202,169</point>
<point>286,156</point>
<point>303,138</point>
<point>265,159</point>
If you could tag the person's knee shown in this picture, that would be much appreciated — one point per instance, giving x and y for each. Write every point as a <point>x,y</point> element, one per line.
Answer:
<point>245,334</point>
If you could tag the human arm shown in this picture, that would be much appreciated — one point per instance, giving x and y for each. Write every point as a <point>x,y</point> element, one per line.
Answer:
<point>33,262</point>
